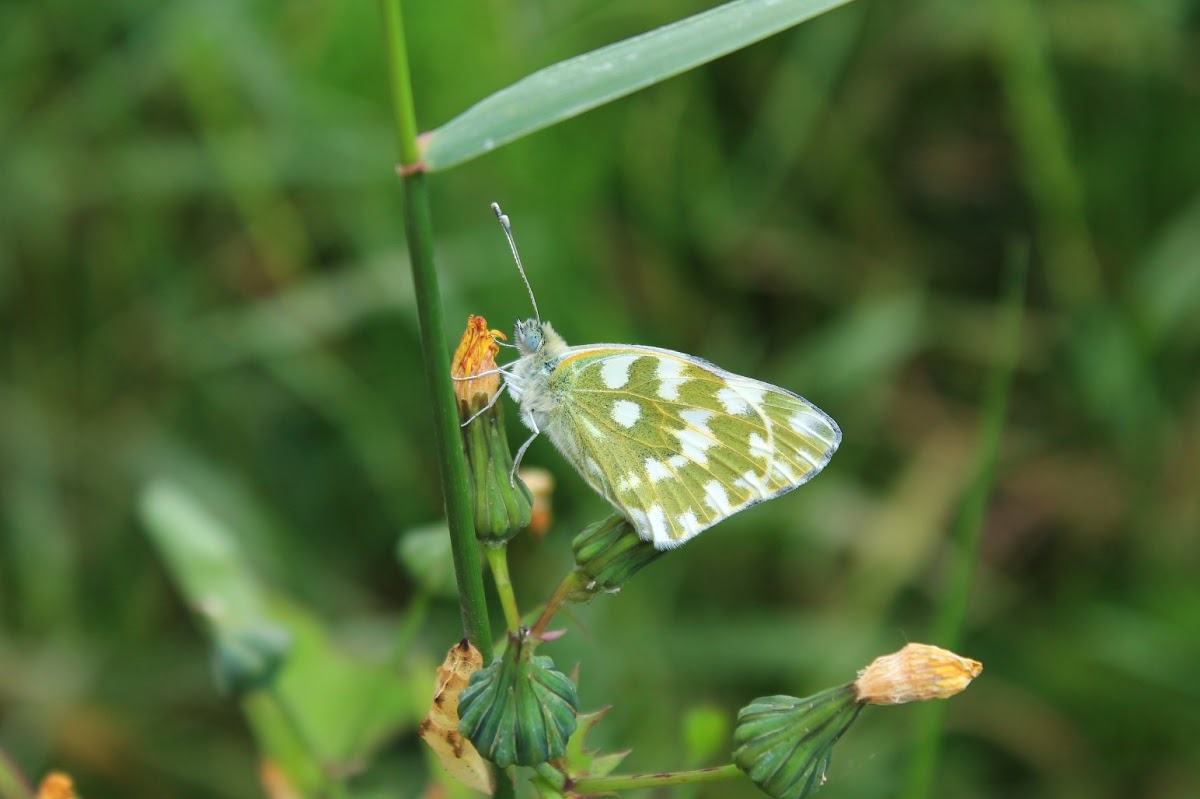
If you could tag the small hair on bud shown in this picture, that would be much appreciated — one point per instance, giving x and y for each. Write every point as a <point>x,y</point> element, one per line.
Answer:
<point>914,674</point>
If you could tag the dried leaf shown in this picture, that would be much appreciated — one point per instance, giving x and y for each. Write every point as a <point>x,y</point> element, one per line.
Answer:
<point>440,727</point>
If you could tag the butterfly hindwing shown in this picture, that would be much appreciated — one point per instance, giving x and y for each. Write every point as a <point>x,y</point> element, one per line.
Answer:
<point>678,444</point>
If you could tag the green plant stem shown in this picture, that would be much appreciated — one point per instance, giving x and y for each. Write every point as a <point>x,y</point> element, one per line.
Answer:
<point>630,782</point>
<point>498,559</point>
<point>451,461</point>
<point>968,529</point>
<point>556,599</point>
<point>333,786</point>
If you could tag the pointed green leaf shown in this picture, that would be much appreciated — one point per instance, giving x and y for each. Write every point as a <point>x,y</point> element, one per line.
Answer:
<point>579,84</point>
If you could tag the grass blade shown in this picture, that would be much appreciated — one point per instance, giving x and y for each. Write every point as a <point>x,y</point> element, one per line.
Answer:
<point>968,528</point>
<point>579,84</point>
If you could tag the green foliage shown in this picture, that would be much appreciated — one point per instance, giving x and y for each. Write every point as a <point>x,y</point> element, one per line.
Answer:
<point>579,84</point>
<point>202,279</point>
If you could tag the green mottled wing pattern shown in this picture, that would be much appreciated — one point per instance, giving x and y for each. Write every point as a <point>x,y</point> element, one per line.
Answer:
<point>677,444</point>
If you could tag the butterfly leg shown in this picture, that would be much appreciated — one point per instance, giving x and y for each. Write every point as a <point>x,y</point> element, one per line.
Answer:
<point>485,408</point>
<point>512,477</point>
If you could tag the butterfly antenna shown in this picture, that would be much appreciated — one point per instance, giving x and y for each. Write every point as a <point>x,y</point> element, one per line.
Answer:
<point>512,245</point>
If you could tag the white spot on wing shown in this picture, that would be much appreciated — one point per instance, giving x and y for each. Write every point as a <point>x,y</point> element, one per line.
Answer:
<point>717,498</point>
<point>755,482</point>
<point>695,439</point>
<point>677,462</point>
<point>697,417</point>
<point>670,377</point>
<point>656,470</point>
<point>785,471</point>
<point>689,524</point>
<point>614,371</point>
<point>640,522</point>
<point>740,395</point>
<point>658,524</point>
<point>626,413</point>
<point>810,425</point>
<point>759,447</point>
<point>733,402</point>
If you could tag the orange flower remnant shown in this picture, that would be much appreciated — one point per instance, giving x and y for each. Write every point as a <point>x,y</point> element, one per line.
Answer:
<point>915,673</point>
<point>57,785</point>
<point>476,355</point>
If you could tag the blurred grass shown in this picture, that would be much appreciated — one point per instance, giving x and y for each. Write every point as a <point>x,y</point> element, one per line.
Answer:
<point>200,282</point>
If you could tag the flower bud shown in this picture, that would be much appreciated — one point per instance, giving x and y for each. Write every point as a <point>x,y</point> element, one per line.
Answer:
<point>913,674</point>
<point>502,505</point>
<point>520,709</point>
<point>784,744</point>
<point>57,785</point>
<point>607,554</point>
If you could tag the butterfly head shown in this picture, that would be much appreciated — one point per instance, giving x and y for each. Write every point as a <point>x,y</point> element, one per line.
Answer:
<point>535,337</point>
<point>530,335</point>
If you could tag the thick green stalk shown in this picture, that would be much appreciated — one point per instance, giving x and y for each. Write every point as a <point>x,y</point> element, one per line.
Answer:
<point>968,529</point>
<point>455,483</point>
<point>629,782</point>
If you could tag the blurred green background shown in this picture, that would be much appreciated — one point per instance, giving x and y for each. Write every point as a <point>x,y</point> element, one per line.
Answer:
<point>203,281</point>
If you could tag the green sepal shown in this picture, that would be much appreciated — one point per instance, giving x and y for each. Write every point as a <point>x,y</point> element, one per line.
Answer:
<point>501,509</point>
<point>249,658</point>
<point>607,554</point>
<point>519,709</point>
<point>580,761</point>
<point>784,744</point>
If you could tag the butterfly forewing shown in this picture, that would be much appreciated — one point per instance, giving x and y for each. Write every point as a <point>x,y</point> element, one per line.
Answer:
<point>678,444</point>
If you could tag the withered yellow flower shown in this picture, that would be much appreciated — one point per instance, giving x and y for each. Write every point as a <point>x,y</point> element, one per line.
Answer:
<point>914,674</point>
<point>476,355</point>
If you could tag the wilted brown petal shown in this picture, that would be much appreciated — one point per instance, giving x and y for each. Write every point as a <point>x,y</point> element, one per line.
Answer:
<point>915,673</point>
<point>440,727</point>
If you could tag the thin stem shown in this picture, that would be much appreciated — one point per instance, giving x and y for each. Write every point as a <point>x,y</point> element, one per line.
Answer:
<point>630,782</point>
<point>552,775</point>
<point>568,584</point>
<point>498,559</point>
<point>455,482</point>
<point>456,486</point>
<point>968,528</point>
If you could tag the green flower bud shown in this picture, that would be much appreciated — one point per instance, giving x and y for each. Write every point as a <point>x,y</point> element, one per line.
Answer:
<point>785,744</point>
<point>502,508</point>
<point>607,554</point>
<point>519,709</point>
<point>502,505</point>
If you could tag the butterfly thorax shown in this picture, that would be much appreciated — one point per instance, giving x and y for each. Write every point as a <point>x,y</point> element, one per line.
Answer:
<point>541,349</point>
